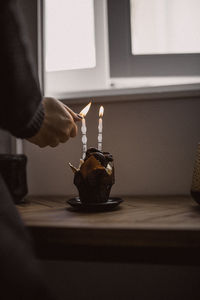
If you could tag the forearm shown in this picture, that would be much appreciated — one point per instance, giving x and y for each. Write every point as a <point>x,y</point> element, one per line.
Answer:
<point>21,112</point>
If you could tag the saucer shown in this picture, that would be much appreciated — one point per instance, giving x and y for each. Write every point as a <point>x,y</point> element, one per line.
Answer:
<point>103,206</point>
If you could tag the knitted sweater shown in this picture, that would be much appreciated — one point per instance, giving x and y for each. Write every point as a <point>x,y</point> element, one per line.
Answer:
<point>21,111</point>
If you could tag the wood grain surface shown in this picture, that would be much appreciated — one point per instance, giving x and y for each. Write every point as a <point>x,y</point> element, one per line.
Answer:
<point>142,228</point>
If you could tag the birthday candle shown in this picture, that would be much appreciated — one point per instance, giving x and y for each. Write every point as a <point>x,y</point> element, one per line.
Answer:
<point>100,128</point>
<point>83,113</point>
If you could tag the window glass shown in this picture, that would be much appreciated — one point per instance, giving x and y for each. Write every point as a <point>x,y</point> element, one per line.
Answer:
<point>165,26</point>
<point>69,35</point>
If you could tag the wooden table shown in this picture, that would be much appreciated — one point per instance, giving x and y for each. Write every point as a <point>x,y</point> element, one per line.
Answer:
<point>143,229</point>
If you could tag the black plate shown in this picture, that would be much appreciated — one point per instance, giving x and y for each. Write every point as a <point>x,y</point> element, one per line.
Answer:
<point>110,204</point>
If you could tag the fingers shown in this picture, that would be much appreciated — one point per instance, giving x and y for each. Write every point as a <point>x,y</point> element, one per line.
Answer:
<point>64,138</point>
<point>75,116</point>
<point>54,144</point>
<point>58,126</point>
<point>73,131</point>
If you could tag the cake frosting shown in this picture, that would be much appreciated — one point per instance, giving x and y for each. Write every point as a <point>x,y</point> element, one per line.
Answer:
<point>95,176</point>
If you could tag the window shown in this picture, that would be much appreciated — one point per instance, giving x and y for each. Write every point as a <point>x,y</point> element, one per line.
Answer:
<point>125,64</point>
<point>107,45</point>
<point>75,46</point>
<point>165,27</point>
<point>70,42</point>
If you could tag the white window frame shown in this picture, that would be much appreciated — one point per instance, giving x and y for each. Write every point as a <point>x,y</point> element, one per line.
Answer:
<point>82,79</point>
<point>134,82</point>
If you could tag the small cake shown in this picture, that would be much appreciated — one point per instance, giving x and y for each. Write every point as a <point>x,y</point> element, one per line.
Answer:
<point>95,176</point>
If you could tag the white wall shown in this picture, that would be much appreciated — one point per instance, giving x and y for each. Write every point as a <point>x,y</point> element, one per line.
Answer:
<point>153,143</point>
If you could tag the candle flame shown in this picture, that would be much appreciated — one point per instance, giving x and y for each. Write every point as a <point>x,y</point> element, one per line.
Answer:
<point>101,111</point>
<point>85,110</point>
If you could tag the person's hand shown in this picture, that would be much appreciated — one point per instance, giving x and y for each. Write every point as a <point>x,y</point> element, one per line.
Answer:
<point>58,125</point>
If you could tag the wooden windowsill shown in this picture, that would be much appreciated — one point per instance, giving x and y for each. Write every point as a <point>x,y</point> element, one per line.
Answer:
<point>129,94</point>
<point>143,229</point>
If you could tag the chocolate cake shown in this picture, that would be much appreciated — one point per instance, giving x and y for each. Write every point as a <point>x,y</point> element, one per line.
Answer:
<point>95,176</point>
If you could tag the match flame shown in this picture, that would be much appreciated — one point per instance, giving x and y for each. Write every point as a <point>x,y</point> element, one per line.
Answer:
<point>85,110</point>
<point>101,111</point>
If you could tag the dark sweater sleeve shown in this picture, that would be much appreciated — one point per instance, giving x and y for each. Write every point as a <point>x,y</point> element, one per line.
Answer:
<point>21,111</point>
